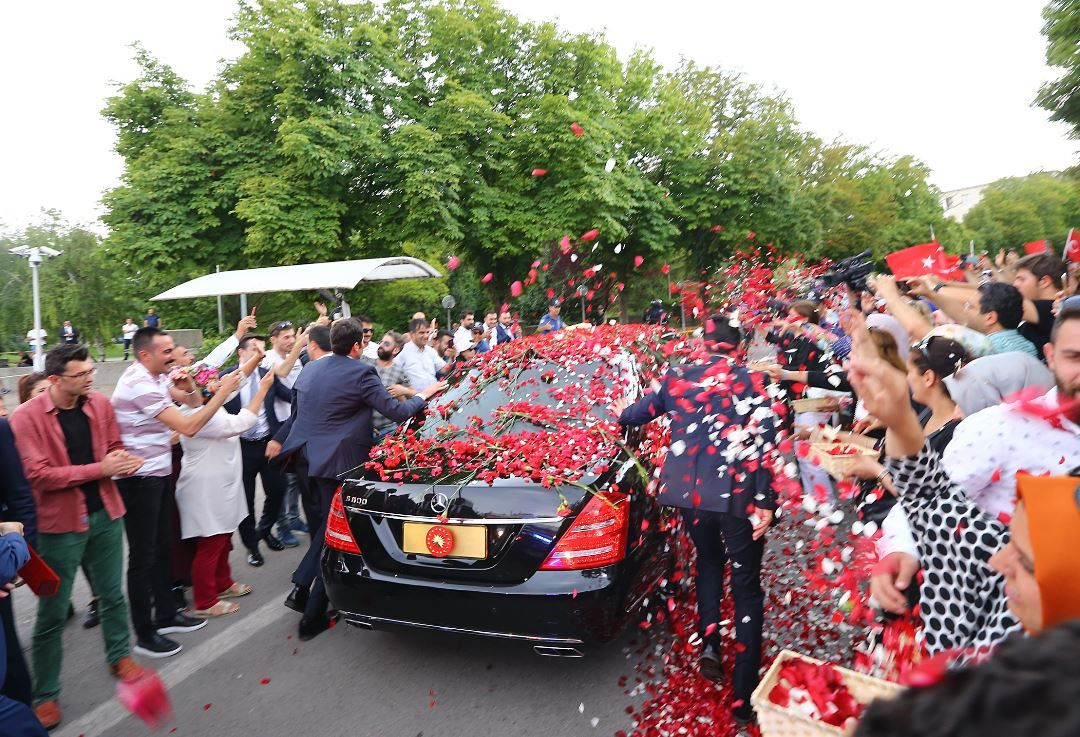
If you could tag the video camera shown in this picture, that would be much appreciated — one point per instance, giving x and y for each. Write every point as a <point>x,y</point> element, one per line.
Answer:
<point>851,271</point>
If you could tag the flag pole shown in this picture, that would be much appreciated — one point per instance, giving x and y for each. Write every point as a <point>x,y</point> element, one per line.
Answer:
<point>933,238</point>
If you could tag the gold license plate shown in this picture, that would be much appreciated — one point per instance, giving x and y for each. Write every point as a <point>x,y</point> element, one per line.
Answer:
<point>468,541</point>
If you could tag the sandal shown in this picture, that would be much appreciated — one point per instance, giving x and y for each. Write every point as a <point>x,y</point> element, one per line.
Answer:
<point>220,609</point>
<point>237,589</point>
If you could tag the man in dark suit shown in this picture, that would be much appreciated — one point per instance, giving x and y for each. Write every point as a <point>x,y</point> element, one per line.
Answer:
<point>719,473</point>
<point>329,434</point>
<point>253,452</point>
<point>68,333</point>
<point>16,505</point>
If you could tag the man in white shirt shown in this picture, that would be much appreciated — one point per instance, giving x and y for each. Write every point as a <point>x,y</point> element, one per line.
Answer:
<point>33,338</point>
<point>420,361</point>
<point>990,447</point>
<point>128,330</point>
<point>284,358</point>
<point>463,335</point>
<point>491,319</point>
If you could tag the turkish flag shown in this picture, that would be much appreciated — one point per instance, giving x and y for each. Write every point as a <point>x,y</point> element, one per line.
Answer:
<point>925,258</point>
<point>1072,246</point>
<point>1036,247</point>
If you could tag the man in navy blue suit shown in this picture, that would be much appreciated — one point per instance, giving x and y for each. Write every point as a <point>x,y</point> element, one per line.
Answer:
<point>16,505</point>
<point>328,434</point>
<point>718,472</point>
<point>253,452</point>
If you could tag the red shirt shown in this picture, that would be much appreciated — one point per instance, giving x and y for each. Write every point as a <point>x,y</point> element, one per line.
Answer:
<point>61,506</point>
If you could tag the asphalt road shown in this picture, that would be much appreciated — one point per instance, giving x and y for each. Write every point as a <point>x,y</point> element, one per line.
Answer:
<point>345,682</point>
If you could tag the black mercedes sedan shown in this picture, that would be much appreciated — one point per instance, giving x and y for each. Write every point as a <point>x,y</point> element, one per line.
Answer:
<point>560,568</point>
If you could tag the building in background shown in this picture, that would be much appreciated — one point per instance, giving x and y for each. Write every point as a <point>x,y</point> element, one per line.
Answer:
<point>957,202</point>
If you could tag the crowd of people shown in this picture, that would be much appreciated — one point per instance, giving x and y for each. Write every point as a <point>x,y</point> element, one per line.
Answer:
<point>969,390</point>
<point>170,462</point>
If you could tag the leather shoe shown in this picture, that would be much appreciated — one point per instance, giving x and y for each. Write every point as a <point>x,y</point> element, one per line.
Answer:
<point>126,669</point>
<point>312,628</point>
<point>92,619</point>
<point>297,599</point>
<point>271,541</point>
<point>48,713</point>
<point>743,714</point>
<point>255,558</point>
<point>709,666</point>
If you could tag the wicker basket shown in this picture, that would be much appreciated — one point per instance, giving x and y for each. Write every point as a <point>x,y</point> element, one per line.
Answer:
<point>823,404</point>
<point>780,721</point>
<point>838,466</point>
<point>829,434</point>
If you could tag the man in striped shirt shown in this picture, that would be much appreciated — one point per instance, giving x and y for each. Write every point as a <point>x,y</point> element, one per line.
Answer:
<point>145,404</point>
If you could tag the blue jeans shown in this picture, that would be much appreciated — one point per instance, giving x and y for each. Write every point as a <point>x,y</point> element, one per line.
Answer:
<point>290,507</point>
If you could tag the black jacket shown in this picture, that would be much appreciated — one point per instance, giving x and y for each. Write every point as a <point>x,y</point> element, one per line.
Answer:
<point>16,500</point>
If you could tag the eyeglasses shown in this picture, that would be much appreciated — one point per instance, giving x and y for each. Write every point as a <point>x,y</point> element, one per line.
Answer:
<point>277,327</point>
<point>81,374</point>
<point>367,331</point>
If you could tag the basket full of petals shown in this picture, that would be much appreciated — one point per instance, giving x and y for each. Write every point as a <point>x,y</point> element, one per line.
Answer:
<point>837,453</point>
<point>801,696</point>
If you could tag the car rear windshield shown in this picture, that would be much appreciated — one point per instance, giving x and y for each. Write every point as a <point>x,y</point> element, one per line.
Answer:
<point>536,382</point>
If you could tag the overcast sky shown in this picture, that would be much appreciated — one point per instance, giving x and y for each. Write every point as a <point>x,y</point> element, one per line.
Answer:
<point>948,81</point>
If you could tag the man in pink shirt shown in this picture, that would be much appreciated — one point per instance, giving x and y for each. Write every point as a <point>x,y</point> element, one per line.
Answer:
<point>70,448</point>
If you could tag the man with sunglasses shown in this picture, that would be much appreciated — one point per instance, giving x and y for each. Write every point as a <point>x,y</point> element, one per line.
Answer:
<point>69,443</point>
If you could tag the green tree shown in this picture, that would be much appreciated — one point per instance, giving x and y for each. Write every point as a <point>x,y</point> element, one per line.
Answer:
<point>350,130</point>
<point>84,284</point>
<point>1062,30</point>
<point>1018,210</point>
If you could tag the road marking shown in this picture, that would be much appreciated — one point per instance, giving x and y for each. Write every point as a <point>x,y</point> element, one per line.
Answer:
<point>109,714</point>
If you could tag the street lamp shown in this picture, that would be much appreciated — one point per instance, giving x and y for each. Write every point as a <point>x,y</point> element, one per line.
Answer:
<point>582,290</point>
<point>34,254</point>
<point>448,303</point>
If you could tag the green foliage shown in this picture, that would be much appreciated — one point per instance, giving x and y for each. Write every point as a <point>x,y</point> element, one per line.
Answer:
<point>351,130</point>
<point>1062,30</point>
<point>82,285</point>
<point>1017,210</point>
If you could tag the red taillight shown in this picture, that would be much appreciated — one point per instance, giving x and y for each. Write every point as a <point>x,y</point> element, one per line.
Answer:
<point>338,534</point>
<point>597,537</point>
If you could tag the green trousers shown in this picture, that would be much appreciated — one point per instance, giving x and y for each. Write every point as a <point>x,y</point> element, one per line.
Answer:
<point>102,547</point>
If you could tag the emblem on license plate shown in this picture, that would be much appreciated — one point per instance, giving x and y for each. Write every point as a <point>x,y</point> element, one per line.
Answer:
<point>440,541</point>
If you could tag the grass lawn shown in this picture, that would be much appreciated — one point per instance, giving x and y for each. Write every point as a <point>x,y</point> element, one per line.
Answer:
<point>113,352</point>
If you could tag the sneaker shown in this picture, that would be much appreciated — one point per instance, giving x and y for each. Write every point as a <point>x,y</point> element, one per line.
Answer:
<point>48,713</point>
<point>709,665</point>
<point>298,526</point>
<point>157,647</point>
<point>284,534</point>
<point>181,598</point>
<point>180,623</point>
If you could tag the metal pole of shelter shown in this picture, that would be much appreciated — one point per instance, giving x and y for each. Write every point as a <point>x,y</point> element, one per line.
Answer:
<point>39,355</point>
<point>243,306</point>
<point>220,313</point>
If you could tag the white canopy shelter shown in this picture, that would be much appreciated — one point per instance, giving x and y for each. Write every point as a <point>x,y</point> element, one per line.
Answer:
<point>333,275</point>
